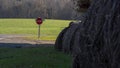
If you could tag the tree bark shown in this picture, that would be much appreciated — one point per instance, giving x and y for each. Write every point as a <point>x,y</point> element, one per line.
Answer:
<point>99,39</point>
<point>96,41</point>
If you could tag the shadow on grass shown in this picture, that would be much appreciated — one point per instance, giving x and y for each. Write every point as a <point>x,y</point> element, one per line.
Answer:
<point>22,45</point>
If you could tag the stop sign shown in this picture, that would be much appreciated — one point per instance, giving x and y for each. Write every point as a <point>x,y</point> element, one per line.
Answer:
<point>39,21</point>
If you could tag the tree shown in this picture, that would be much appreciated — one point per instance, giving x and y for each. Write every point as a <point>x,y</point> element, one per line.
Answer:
<point>95,42</point>
<point>56,9</point>
<point>82,5</point>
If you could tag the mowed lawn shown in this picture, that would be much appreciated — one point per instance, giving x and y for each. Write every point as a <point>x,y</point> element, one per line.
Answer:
<point>38,57</point>
<point>49,29</point>
<point>41,57</point>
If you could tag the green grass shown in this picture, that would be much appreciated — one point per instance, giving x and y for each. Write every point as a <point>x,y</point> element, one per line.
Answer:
<point>49,29</point>
<point>42,57</point>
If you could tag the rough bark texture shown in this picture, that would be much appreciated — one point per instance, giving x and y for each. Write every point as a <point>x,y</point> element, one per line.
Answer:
<point>68,38</point>
<point>96,41</point>
<point>59,40</point>
<point>64,39</point>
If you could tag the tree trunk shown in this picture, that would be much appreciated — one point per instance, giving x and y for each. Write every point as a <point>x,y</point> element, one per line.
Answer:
<point>99,36</point>
<point>97,39</point>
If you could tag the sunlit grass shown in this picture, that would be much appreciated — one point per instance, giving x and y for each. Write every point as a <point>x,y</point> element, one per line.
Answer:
<point>49,28</point>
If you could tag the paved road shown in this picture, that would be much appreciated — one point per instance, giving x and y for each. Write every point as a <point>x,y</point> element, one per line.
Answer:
<point>18,41</point>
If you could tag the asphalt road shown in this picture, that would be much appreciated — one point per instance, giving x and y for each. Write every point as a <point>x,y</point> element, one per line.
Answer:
<point>17,41</point>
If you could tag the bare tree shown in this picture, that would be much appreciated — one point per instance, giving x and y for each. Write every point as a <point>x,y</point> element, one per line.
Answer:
<point>56,9</point>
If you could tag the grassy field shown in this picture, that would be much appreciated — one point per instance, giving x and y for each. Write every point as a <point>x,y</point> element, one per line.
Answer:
<point>42,57</point>
<point>49,29</point>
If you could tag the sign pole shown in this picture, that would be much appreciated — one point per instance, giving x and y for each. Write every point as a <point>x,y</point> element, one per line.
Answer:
<point>38,32</point>
<point>39,22</point>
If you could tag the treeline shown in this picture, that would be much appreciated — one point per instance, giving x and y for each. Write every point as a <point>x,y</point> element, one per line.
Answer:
<point>55,9</point>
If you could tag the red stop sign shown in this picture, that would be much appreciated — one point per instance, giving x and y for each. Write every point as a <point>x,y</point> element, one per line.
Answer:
<point>39,21</point>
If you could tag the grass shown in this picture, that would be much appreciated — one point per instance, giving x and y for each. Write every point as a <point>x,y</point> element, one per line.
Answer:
<point>42,57</point>
<point>49,29</point>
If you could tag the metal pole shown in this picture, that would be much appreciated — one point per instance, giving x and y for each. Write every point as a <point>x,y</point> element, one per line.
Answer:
<point>38,32</point>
